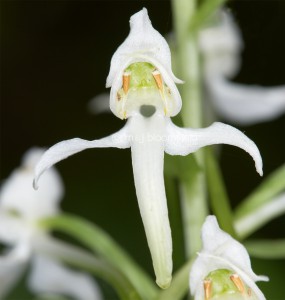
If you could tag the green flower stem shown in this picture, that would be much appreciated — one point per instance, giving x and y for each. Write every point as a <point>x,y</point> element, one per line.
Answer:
<point>79,258</point>
<point>265,192</point>
<point>261,205</point>
<point>188,62</point>
<point>51,298</point>
<point>250,223</point>
<point>194,211</point>
<point>266,249</point>
<point>193,193</point>
<point>204,12</point>
<point>179,286</point>
<point>104,246</point>
<point>174,208</point>
<point>218,195</point>
<point>121,284</point>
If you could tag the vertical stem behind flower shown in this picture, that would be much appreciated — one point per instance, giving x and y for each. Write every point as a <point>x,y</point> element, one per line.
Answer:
<point>193,193</point>
<point>175,217</point>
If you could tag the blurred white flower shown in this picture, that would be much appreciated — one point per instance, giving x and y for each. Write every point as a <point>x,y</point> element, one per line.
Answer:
<point>99,104</point>
<point>20,209</point>
<point>143,90</point>
<point>221,46</point>
<point>222,269</point>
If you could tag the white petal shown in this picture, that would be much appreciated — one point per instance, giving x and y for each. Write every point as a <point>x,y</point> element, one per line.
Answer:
<point>182,141</point>
<point>219,243</point>
<point>244,104</point>
<point>12,266</point>
<point>17,194</point>
<point>99,104</point>
<point>12,229</point>
<point>144,44</point>
<point>221,45</point>
<point>221,251</point>
<point>50,277</point>
<point>148,135</point>
<point>260,216</point>
<point>67,148</point>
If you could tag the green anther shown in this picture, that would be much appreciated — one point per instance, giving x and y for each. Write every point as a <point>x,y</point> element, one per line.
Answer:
<point>141,75</point>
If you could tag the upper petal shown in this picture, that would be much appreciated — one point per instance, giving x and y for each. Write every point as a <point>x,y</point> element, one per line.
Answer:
<point>67,148</point>
<point>144,44</point>
<point>48,276</point>
<point>182,141</point>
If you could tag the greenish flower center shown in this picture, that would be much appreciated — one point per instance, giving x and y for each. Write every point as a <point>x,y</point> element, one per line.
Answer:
<point>141,75</point>
<point>223,284</point>
<point>143,86</point>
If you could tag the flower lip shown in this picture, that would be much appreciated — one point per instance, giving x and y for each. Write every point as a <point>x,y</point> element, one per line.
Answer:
<point>146,45</point>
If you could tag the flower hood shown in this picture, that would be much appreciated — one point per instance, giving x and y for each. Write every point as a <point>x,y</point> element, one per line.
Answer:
<point>144,44</point>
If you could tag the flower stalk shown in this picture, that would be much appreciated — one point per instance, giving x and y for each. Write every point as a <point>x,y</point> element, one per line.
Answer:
<point>81,259</point>
<point>193,192</point>
<point>103,246</point>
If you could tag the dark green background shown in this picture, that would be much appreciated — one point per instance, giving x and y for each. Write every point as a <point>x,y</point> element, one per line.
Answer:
<point>55,57</point>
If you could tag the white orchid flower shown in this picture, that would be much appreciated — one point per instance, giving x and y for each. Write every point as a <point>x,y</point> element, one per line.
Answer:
<point>221,46</point>
<point>143,90</point>
<point>222,269</point>
<point>21,207</point>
